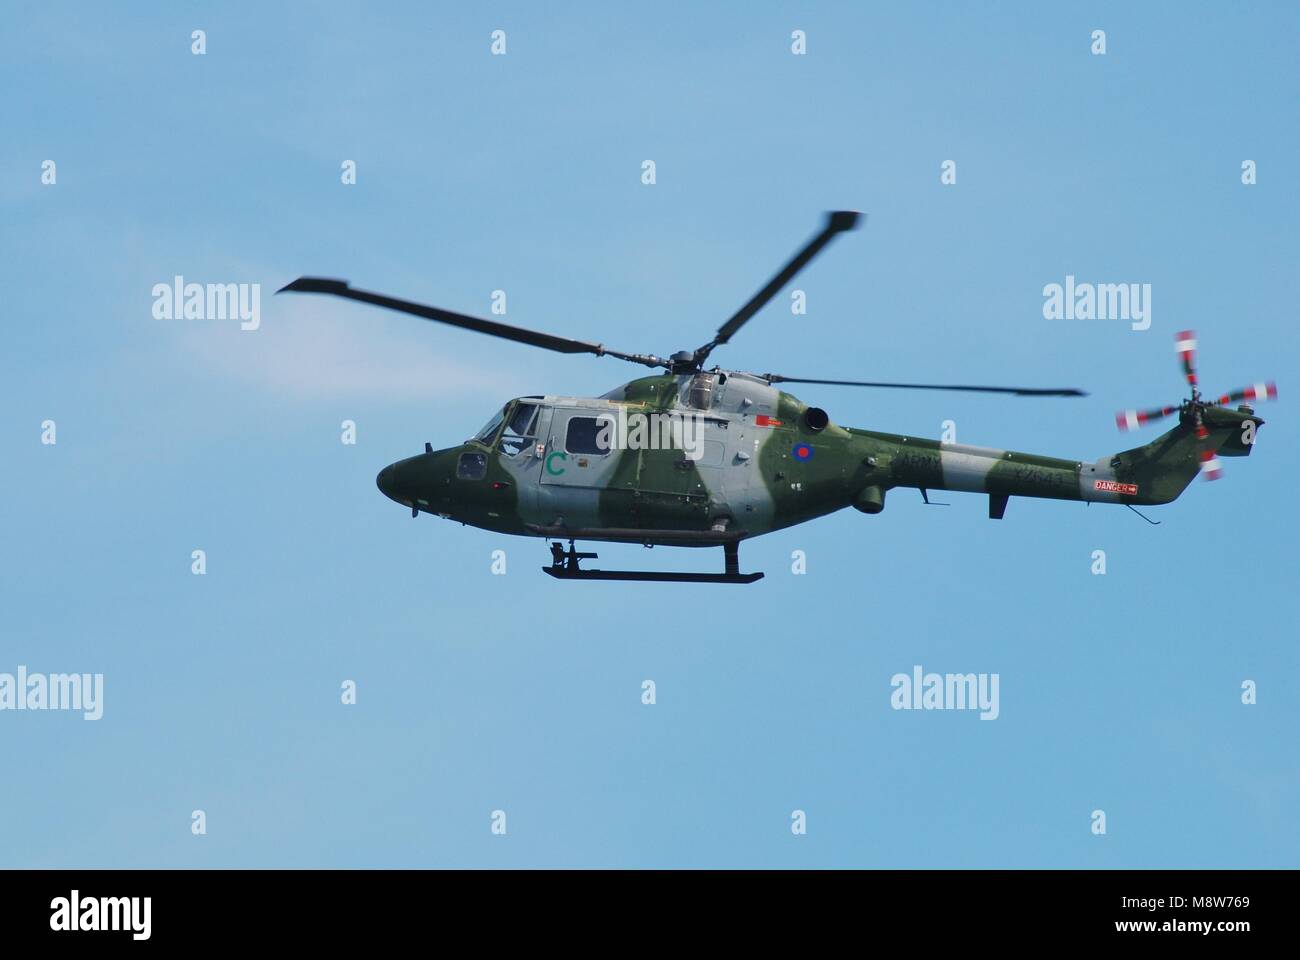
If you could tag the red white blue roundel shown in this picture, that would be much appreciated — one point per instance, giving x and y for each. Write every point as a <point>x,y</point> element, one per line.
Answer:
<point>803,452</point>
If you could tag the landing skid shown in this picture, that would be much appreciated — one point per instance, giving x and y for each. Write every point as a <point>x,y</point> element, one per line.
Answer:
<point>565,566</point>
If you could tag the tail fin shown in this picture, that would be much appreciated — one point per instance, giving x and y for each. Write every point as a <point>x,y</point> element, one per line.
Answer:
<point>1162,469</point>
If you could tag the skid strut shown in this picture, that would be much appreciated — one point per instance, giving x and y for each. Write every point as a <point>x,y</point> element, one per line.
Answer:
<point>565,565</point>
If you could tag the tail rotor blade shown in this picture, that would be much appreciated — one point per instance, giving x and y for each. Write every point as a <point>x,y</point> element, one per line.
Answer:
<point>1211,469</point>
<point>1210,466</point>
<point>1185,344</point>
<point>1132,419</point>
<point>1256,391</point>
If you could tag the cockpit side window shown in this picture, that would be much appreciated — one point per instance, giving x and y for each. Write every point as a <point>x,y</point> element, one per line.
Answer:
<point>471,466</point>
<point>522,421</point>
<point>521,430</point>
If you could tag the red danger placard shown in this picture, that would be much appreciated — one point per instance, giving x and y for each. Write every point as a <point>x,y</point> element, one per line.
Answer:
<point>1110,486</point>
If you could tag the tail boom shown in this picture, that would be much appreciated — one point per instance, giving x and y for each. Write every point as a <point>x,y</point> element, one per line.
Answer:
<point>1154,473</point>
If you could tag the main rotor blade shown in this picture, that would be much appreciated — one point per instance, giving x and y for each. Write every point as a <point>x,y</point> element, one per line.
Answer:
<point>836,222</point>
<point>1015,391</point>
<point>534,338</point>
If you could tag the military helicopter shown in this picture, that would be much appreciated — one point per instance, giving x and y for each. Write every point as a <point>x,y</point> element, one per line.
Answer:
<point>696,457</point>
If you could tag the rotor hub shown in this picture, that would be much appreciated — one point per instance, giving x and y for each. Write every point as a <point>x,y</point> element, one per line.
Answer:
<point>683,361</point>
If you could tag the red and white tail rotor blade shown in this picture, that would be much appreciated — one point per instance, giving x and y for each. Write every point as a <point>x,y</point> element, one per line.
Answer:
<point>1185,344</point>
<point>1211,468</point>
<point>1255,392</point>
<point>1132,419</point>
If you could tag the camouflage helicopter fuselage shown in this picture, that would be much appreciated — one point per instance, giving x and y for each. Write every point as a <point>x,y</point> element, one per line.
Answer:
<point>729,456</point>
<point>765,461</point>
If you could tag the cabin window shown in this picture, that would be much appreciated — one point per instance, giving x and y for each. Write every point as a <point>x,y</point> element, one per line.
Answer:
<point>471,466</point>
<point>584,435</point>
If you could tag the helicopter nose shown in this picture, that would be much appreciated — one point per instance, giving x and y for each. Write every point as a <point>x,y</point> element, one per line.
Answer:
<point>387,482</point>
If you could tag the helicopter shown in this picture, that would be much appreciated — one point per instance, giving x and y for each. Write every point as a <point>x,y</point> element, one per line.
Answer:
<point>698,456</point>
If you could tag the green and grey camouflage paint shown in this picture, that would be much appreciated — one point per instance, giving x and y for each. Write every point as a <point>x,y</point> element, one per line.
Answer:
<point>769,461</point>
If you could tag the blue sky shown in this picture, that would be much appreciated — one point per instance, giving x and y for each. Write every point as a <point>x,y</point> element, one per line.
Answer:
<point>477,692</point>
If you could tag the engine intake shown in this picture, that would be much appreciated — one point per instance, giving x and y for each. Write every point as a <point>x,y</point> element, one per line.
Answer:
<point>815,419</point>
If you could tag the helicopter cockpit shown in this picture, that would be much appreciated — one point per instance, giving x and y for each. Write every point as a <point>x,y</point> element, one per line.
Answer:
<point>513,428</point>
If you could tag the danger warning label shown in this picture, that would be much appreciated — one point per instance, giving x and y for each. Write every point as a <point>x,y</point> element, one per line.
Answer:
<point>1110,486</point>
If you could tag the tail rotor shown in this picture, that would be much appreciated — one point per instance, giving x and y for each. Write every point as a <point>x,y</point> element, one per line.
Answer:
<point>1192,410</point>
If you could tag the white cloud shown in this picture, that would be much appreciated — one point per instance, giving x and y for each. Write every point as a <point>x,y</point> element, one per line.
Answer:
<point>309,347</point>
